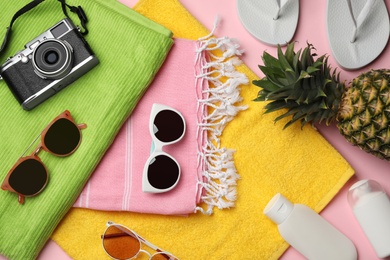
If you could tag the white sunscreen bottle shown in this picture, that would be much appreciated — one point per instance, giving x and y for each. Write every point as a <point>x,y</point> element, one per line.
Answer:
<point>371,207</point>
<point>308,232</point>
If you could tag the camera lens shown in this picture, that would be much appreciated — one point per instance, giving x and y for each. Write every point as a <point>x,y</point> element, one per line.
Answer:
<point>53,59</point>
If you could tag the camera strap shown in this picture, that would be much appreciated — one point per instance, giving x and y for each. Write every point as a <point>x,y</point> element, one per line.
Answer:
<point>80,13</point>
<point>77,10</point>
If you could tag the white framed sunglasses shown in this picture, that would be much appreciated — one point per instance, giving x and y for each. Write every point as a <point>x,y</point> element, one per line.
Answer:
<point>122,243</point>
<point>162,172</point>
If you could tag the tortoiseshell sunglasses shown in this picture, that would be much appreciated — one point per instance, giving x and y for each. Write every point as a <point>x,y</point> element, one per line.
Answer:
<point>29,176</point>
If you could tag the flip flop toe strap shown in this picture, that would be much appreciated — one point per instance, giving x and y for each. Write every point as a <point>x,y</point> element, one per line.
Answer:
<point>357,22</point>
<point>280,3</point>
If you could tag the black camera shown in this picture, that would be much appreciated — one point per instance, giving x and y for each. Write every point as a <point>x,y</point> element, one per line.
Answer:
<point>49,63</point>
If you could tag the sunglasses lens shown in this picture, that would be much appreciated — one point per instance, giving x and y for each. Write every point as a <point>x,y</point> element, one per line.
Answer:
<point>163,172</point>
<point>120,243</point>
<point>28,178</point>
<point>162,256</point>
<point>63,137</point>
<point>169,126</point>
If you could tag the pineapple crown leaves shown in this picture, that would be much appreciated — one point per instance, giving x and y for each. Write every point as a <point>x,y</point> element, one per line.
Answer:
<point>307,88</point>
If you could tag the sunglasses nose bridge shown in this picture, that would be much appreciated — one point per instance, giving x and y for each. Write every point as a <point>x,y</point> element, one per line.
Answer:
<point>156,146</point>
<point>145,252</point>
<point>37,150</point>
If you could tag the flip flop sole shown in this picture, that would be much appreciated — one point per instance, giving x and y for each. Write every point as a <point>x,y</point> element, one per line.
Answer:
<point>257,17</point>
<point>371,39</point>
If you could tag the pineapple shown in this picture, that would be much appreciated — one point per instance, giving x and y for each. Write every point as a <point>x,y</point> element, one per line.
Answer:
<point>311,92</point>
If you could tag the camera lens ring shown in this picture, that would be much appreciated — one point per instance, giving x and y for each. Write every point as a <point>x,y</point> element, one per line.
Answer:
<point>52,59</point>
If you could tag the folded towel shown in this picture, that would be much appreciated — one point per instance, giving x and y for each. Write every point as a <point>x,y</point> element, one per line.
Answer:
<point>103,98</point>
<point>174,86</point>
<point>298,163</point>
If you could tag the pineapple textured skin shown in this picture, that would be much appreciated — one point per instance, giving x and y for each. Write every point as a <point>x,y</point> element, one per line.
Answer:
<point>364,114</point>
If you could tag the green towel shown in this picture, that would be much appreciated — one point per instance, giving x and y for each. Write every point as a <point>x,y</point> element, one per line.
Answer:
<point>131,49</point>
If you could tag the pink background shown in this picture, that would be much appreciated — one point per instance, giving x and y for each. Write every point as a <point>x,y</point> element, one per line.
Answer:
<point>312,28</point>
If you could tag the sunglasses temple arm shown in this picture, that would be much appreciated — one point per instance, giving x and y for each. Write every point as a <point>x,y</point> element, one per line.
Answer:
<point>82,126</point>
<point>21,199</point>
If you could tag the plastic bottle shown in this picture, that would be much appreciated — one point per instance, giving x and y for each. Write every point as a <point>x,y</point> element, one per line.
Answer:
<point>371,207</point>
<point>308,232</point>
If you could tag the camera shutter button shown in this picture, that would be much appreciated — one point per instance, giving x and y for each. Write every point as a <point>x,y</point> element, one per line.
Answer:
<point>24,59</point>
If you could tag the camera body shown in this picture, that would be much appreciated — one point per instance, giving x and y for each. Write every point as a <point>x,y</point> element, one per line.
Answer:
<point>49,63</point>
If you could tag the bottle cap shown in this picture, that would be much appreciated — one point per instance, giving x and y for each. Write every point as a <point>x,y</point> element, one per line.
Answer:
<point>362,191</point>
<point>278,208</point>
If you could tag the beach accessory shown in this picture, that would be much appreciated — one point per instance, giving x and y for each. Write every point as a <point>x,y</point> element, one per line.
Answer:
<point>270,21</point>
<point>122,243</point>
<point>104,98</point>
<point>29,176</point>
<point>162,172</point>
<point>371,207</point>
<point>300,164</point>
<point>308,232</point>
<point>358,31</point>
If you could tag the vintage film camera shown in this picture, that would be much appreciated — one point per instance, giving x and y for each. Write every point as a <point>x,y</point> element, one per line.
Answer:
<point>49,63</point>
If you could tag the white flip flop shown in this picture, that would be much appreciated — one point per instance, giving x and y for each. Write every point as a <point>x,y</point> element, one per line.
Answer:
<point>358,31</point>
<point>270,21</point>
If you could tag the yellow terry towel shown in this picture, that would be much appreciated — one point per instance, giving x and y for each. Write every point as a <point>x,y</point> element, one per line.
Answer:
<point>299,164</point>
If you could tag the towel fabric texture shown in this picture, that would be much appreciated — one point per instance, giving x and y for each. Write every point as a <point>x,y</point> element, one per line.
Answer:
<point>103,98</point>
<point>117,181</point>
<point>297,163</point>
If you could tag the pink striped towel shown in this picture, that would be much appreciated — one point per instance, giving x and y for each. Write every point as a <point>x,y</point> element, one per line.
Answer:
<point>184,83</point>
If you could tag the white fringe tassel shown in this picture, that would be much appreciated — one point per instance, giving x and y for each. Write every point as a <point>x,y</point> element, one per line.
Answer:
<point>218,92</point>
